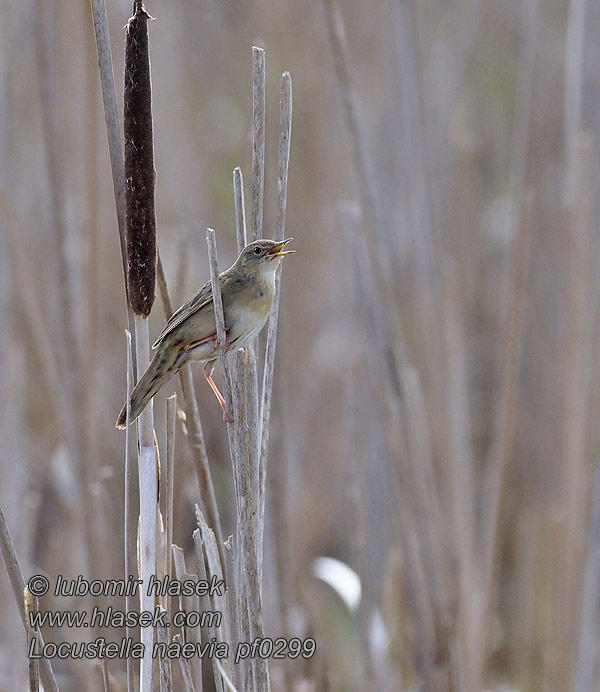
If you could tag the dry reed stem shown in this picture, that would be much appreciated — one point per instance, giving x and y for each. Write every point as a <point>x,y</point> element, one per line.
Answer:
<point>126,519</point>
<point>31,605</point>
<point>206,604</point>
<point>519,230</point>
<point>164,662</point>
<point>365,176</point>
<point>17,583</point>
<point>243,445</point>
<point>428,504</point>
<point>226,679</point>
<point>189,604</point>
<point>574,45</point>
<point>586,664</point>
<point>242,498</point>
<point>170,481</point>
<point>148,492</point>
<point>372,278</point>
<point>220,602</point>
<point>459,457</point>
<point>184,665</point>
<point>285,133</point>
<point>578,331</point>
<point>195,434</point>
<point>207,557</point>
<point>105,676</point>
<point>505,420</point>
<point>258,140</point>
<point>240,209</point>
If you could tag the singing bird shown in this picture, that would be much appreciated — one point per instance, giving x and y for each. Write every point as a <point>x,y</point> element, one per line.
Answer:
<point>247,290</point>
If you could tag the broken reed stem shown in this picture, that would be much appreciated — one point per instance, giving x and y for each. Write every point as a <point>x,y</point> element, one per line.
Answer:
<point>189,603</point>
<point>17,583</point>
<point>184,665</point>
<point>258,140</point>
<point>126,519</point>
<point>195,434</point>
<point>164,662</point>
<point>285,131</point>
<point>207,557</point>
<point>240,209</point>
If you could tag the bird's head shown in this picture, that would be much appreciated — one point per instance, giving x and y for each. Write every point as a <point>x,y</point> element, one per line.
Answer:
<point>263,254</point>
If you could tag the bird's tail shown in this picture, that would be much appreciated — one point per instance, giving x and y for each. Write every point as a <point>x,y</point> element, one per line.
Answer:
<point>164,365</point>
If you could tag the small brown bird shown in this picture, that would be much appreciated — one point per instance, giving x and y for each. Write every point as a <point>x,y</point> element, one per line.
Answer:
<point>247,290</point>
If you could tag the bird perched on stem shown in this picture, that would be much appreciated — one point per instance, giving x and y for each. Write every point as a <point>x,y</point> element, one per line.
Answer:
<point>247,290</point>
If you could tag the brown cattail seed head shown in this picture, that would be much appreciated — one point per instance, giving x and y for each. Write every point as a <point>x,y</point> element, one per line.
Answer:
<point>139,166</point>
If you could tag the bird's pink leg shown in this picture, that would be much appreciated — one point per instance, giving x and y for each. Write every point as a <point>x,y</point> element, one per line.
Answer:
<point>217,393</point>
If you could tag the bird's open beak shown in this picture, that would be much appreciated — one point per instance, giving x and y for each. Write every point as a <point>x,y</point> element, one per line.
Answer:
<point>277,251</point>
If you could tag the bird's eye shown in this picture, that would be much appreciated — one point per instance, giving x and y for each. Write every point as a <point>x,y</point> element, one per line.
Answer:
<point>257,251</point>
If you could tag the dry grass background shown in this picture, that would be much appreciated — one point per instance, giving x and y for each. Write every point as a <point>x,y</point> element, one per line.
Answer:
<point>437,381</point>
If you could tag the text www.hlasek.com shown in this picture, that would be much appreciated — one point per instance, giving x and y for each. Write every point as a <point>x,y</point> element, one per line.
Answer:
<point>117,618</point>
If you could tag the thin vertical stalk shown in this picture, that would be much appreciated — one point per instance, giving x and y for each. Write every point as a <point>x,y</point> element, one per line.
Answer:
<point>285,132</point>
<point>126,519</point>
<point>586,664</point>
<point>366,186</point>
<point>519,230</point>
<point>258,139</point>
<point>578,331</point>
<point>504,428</point>
<point>32,608</point>
<point>170,480</point>
<point>195,433</point>
<point>574,45</point>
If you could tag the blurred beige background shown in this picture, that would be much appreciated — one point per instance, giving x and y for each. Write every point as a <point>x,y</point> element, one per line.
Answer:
<point>449,458</point>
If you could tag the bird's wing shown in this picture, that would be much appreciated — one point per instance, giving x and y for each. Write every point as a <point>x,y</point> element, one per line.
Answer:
<point>202,299</point>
